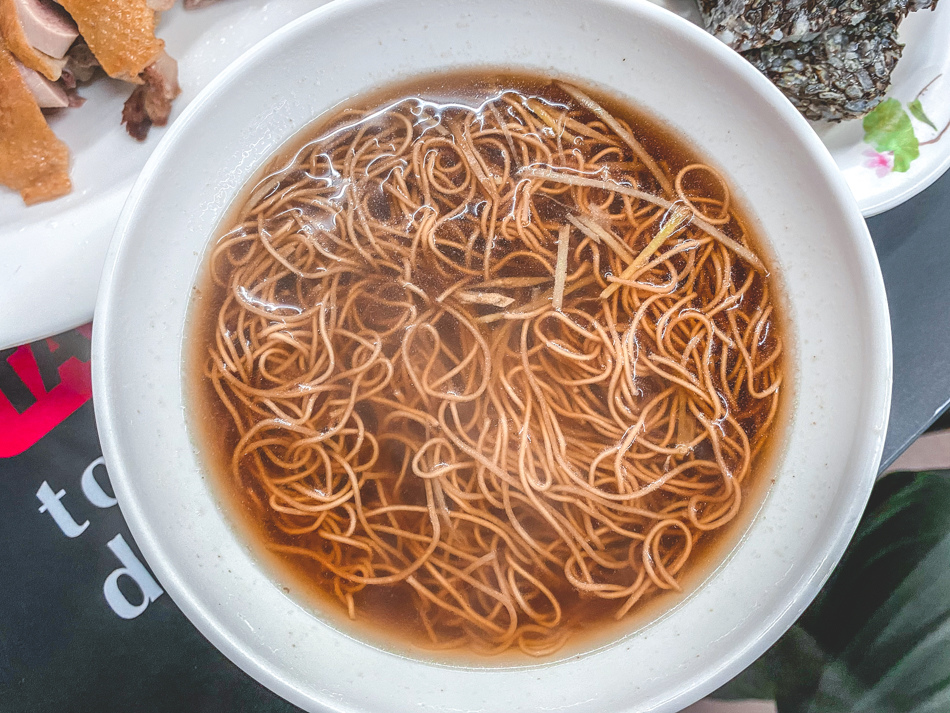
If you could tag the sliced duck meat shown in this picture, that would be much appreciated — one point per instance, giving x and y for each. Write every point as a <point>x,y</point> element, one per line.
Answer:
<point>47,26</point>
<point>161,88</point>
<point>18,44</point>
<point>75,100</point>
<point>81,64</point>
<point>151,103</point>
<point>33,161</point>
<point>134,117</point>
<point>48,95</point>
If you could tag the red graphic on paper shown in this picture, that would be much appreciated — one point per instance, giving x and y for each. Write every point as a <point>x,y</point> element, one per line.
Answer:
<point>41,384</point>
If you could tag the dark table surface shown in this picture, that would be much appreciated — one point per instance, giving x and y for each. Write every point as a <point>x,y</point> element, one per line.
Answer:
<point>64,649</point>
<point>913,245</point>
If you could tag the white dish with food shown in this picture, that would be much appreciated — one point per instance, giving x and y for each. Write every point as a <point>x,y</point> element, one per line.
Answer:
<point>904,148</point>
<point>922,75</point>
<point>55,251</point>
<point>840,361</point>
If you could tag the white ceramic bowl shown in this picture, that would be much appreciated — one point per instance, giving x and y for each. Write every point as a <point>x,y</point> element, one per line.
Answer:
<point>705,91</point>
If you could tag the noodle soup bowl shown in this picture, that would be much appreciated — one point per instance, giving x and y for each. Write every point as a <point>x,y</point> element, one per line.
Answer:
<point>838,359</point>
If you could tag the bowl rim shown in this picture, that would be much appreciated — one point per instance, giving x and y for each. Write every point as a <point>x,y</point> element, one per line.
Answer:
<point>870,442</point>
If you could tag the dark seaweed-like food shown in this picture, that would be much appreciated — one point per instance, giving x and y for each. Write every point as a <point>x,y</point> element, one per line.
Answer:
<point>832,59</point>
<point>748,24</point>
<point>841,74</point>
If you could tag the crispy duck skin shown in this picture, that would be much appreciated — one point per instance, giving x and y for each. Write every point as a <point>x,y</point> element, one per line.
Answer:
<point>120,33</point>
<point>32,160</point>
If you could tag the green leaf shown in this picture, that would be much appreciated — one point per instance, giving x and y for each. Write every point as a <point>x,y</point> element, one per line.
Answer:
<point>917,109</point>
<point>877,638</point>
<point>888,128</point>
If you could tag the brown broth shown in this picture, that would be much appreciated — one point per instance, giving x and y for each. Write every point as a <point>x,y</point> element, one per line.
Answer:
<point>388,615</point>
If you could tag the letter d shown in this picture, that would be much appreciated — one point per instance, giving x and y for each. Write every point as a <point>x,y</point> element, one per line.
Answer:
<point>134,569</point>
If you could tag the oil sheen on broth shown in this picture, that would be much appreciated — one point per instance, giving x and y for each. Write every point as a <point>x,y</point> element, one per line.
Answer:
<point>488,361</point>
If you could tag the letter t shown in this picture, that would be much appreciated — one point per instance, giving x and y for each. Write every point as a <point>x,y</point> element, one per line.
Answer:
<point>51,503</point>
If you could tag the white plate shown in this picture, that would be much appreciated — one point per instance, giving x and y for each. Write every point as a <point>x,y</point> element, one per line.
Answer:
<point>824,255</point>
<point>925,60</point>
<point>53,253</point>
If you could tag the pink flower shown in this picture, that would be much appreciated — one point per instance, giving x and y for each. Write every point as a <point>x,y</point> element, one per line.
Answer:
<point>882,163</point>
